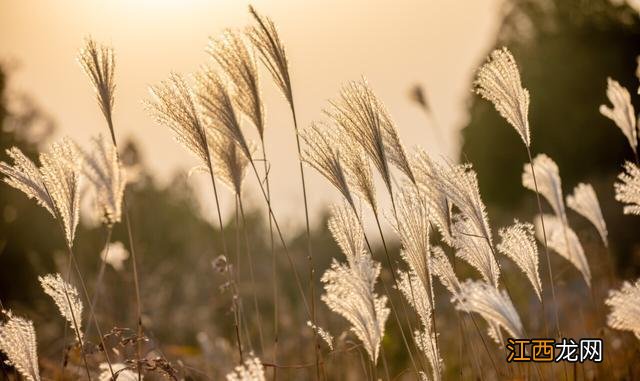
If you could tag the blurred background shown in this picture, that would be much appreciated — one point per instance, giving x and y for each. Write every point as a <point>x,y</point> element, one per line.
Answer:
<point>420,58</point>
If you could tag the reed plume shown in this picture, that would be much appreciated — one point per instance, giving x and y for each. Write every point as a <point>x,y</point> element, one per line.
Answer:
<point>498,81</point>
<point>322,333</point>
<point>549,184</point>
<point>564,241</point>
<point>442,269</point>
<point>625,308</point>
<point>628,189</point>
<point>518,243</point>
<point>472,247</point>
<point>228,160</point>
<point>114,254</point>
<point>357,168</point>
<point>18,343</point>
<point>585,202</point>
<point>493,305</point>
<point>107,175</point>
<point>250,370</point>
<point>621,112</point>
<point>347,231</point>
<point>67,300</point>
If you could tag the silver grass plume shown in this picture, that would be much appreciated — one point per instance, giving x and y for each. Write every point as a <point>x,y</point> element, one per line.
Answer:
<point>622,112</point>
<point>416,295</point>
<point>358,171</point>
<point>323,333</point>
<point>498,81</point>
<point>321,151</point>
<point>585,202</point>
<point>564,241</point>
<point>98,63</point>
<point>264,37</point>
<point>549,182</point>
<point>228,161</point>
<point>66,299</point>
<point>442,269</point>
<point>472,247</point>
<point>493,305</point>
<point>239,64</point>
<point>437,204</point>
<point>122,372</point>
<point>628,189</point>
<point>25,176</point>
<point>219,107</point>
<point>107,175</point>
<point>251,370</point>
<point>346,229</point>
<point>18,343</point>
<point>519,244</point>
<point>625,308</point>
<point>349,291</point>
<point>173,105</point>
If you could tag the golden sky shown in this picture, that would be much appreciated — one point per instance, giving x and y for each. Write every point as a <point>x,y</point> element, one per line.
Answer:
<point>437,43</point>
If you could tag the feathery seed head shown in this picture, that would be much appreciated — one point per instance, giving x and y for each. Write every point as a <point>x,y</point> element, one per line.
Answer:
<point>67,300</point>
<point>228,160</point>
<point>115,254</point>
<point>625,308</point>
<point>24,175</point>
<point>518,243</point>
<point>358,172</point>
<point>628,189</point>
<point>251,370</point>
<point>323,333</point>
<point>498,81</point>
<point>549,183</point>
<point>622,112</point>
<point>98,62</point>
<point>585,202</point>
<point>346,229</point>
<point>472,247</point>
<point>18,343</point>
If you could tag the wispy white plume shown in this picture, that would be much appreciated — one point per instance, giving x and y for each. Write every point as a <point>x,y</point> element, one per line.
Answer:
<point>628,189</point>
<point>442,269</point>
<point>66,298</point>
<point>239,64</point>
<point>25,176</point>
<point>251,370</point>
<point>564,241</point>
<point>173,105</point>
<point>472,247</point>
<point>107,175</point>
<point>98,63</point>
<point>349,291</point>
<point>115,255</point>
<point>549,182</point>
<point>518,243</point>
<point>585,202</point>
<point>498,81</point>
<point>264,37</point>
<point>493,305</point>
<point>321,151</point>
<point>122,372</point>
<point>622,112</point>
<point>18,342</point>
<point>346,229</point>
<point>357,169</point>
<point>324,334</point>
<point>625,308</point>
<point>228,160</point>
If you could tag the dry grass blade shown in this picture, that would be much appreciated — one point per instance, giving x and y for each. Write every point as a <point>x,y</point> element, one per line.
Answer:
<point>472,247</point>
<point>518,243</point>
<point>585,202</point>
<point>493,305</point>
<point>322,152</point>
<point>346,229</point>
<point>25,176</point>
<point>229,162</point>
<point>98,63</point>
<point>250,370</point>
<point>498,81</point>
<point>173,105</point>
<point>564,241</point>
<point>549,182</point>
<point>66,298</point>
<point>628,189</point>
<point>18,343</point>
<point>622,112</point>
<point>625,308</point>
<point>238,63</point>
<point>264,37</point>
<point>220,109</point>
<point>105,172</point>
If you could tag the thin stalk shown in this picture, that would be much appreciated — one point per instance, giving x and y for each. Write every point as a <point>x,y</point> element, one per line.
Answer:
<point>385,365</point>
<point>96,288</point>
<point>251,273</point>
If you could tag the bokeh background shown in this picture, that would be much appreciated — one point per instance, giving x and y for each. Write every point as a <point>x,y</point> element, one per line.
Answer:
<point>565,50</point>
